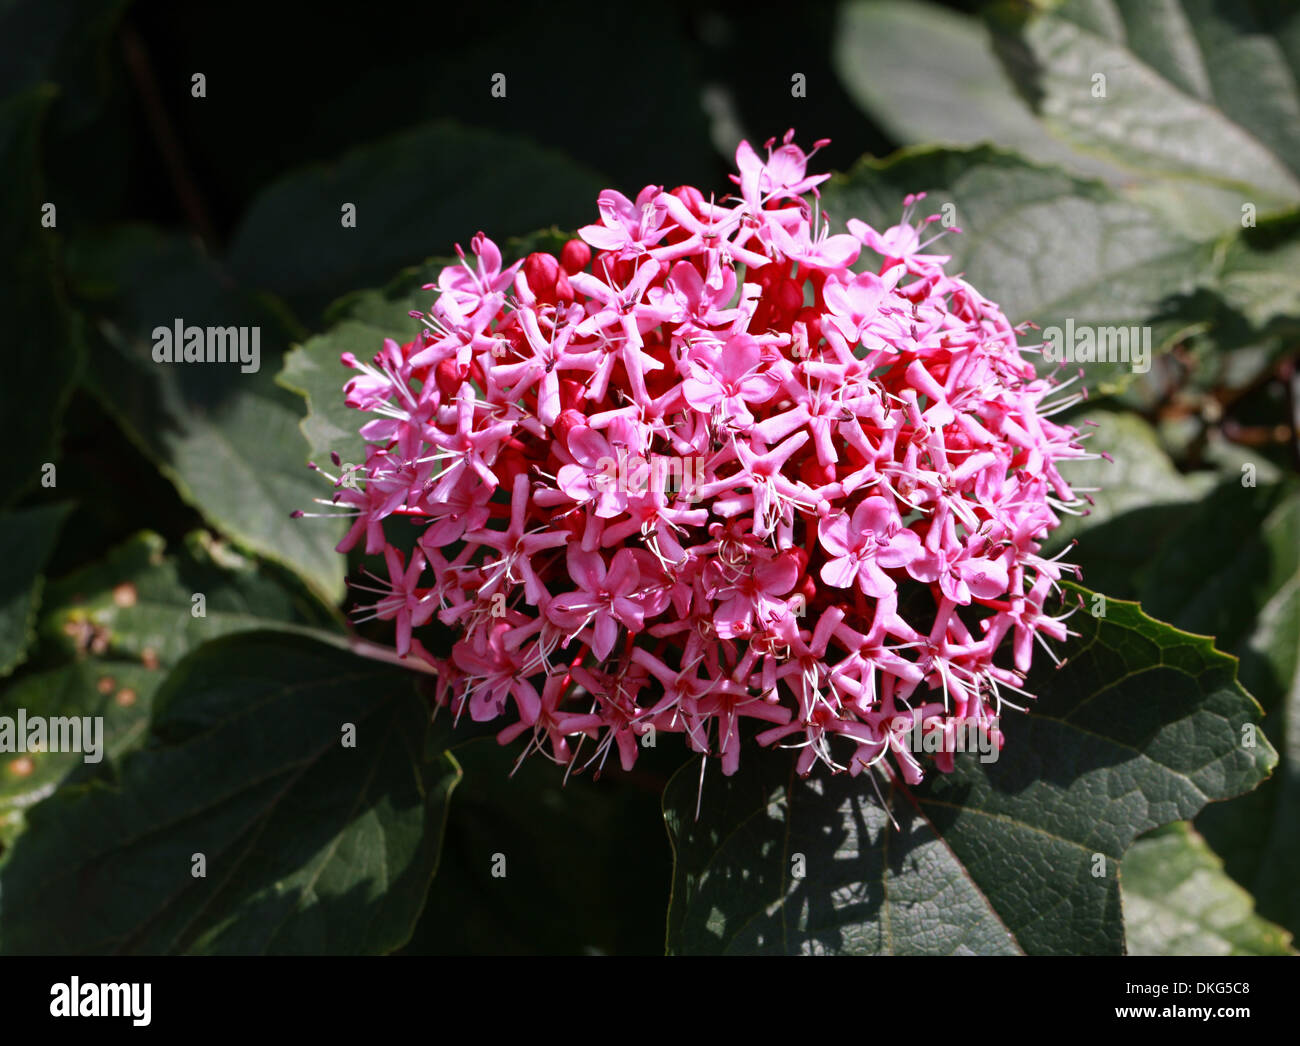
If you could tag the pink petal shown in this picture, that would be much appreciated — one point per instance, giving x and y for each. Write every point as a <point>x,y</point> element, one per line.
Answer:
<point>874,581</point>
<point>839,573</point>
<point>606,634</point>
<point>834,536</point>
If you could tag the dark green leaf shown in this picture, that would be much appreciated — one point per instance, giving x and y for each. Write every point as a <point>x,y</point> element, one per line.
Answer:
<point>535,865</point>
<point>228,440</point>
<point>930,76</point>
<point>120,692</point>
<point>41,348</point>
<point>29,535</point>
<point>776,865</point>
<point>1229,566</point>
<point>1139,486</point>
<point>1224,562</point>
<point>416,194</point>
<point>140,602</point>
<point>310,846</point>
<point>125,622</point>
<point>1197,113</point>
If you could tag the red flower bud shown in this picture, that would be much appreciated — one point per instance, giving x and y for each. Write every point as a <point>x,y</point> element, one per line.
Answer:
<point>789,295</point>
<point>566,422</point>
<point>542,271</point>
<point>692,197</point>
<point>449,377</point>
<point>575,256</point>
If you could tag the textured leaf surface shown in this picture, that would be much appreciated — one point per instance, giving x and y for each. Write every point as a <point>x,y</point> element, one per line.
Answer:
<point>1189,106</point>
<point>1193,89</point>
<point>1228,565</point>
<point>119,692</point>
<point>930,75</point>
<point>1142,727</point>
<point>141,602</point>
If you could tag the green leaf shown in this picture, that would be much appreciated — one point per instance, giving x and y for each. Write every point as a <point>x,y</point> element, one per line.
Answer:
<point>141,603</point>
<point>1140,510</point>
<point>359,323</point>
<point>123,623</point>
<point>1242,586</point>
<point>416,194</point>
<point>119,693</point>
<point>228,440</point>
<point>42,350</point>
<point>1260,279</point>
<point>776,865</point>
<point>929,75</point>
<point>1217,588</point>
<point>30,535</point>
<point>1199,115</point>
<point>1142,727</point>
<point>1237,328</point>
<point>1223,562</point>
<point>1194,90</point>
<point>1273,650</point>
<point>1178,901</point>
<point>1049,247</point>
<point>310,846</point>
<point>1139,485</point>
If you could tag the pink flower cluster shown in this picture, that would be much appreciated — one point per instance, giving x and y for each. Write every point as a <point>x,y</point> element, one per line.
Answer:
<point>713,463</point>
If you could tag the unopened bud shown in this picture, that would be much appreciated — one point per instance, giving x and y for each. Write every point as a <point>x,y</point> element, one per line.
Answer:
<point>575,257</point>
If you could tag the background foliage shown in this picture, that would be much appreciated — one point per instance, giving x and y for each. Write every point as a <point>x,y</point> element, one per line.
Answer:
<point>222,730</point>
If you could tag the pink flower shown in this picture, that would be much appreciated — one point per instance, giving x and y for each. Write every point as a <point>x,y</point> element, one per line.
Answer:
<point>603,598</point>
<point>961,576</point>
<point>865,546</point>
<point>491,668</point>
<point>697,469</point>
<point>626,226</point>
<point>472,288</point>
<point>402,600</point>
<point>730,380</point>
<point>855,306</point>
<point>782,176</point>
<point>749,590</point>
